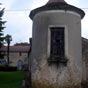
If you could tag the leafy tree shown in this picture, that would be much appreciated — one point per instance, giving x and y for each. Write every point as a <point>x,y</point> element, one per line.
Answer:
<point>1,30</point>
<point>22,43</point>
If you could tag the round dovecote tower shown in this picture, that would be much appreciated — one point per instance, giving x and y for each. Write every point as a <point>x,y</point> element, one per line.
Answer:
<point>56,56</point>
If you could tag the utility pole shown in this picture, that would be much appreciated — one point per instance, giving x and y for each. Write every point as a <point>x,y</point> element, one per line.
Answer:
<point>27,69</point>
<point>30,80</point>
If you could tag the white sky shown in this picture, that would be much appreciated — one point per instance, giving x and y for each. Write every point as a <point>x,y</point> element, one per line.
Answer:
<point>19,25</point>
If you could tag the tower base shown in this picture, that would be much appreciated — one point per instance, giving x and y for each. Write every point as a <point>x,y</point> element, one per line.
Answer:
<point>37,84</point>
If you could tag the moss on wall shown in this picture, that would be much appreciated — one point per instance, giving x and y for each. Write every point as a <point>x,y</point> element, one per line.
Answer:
<point>37,84</point>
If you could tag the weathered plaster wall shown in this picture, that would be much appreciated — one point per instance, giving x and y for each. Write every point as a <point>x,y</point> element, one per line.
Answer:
<point>14,57</point>
<point>60,76</point>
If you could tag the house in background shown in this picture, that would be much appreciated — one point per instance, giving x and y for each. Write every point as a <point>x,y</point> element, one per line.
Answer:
<point>18,55</point>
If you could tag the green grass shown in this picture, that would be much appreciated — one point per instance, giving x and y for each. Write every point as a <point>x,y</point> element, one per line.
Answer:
<point>11,79</point>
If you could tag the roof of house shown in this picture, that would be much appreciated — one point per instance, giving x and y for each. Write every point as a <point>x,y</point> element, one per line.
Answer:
<point>19,48</point>
<point>57,5</point>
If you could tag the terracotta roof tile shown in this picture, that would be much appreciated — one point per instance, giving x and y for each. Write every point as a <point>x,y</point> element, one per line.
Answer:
<point>19,48</point>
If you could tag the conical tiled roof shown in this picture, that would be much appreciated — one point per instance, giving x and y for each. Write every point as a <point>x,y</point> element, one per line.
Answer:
<point>57,5</point>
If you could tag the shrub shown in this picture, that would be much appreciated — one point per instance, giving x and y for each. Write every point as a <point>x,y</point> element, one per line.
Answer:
<point>8,68</point>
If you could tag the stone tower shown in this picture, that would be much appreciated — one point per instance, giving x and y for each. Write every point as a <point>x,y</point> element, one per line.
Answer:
<point>56,56</point>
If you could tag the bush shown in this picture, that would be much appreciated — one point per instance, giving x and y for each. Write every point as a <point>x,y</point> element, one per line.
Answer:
<point>8,68</point>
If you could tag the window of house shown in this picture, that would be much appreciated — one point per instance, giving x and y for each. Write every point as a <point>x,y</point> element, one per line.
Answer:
<point>57,43</point>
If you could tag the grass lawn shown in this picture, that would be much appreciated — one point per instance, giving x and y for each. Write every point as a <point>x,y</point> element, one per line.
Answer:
<point>11,79</point>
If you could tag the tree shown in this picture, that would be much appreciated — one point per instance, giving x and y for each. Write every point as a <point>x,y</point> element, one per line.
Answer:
<point>8,39</point>
<point>1,30</point>
<point>22,43</point>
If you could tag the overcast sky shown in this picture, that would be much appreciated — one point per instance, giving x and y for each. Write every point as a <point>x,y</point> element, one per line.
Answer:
<point>19,25</point>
